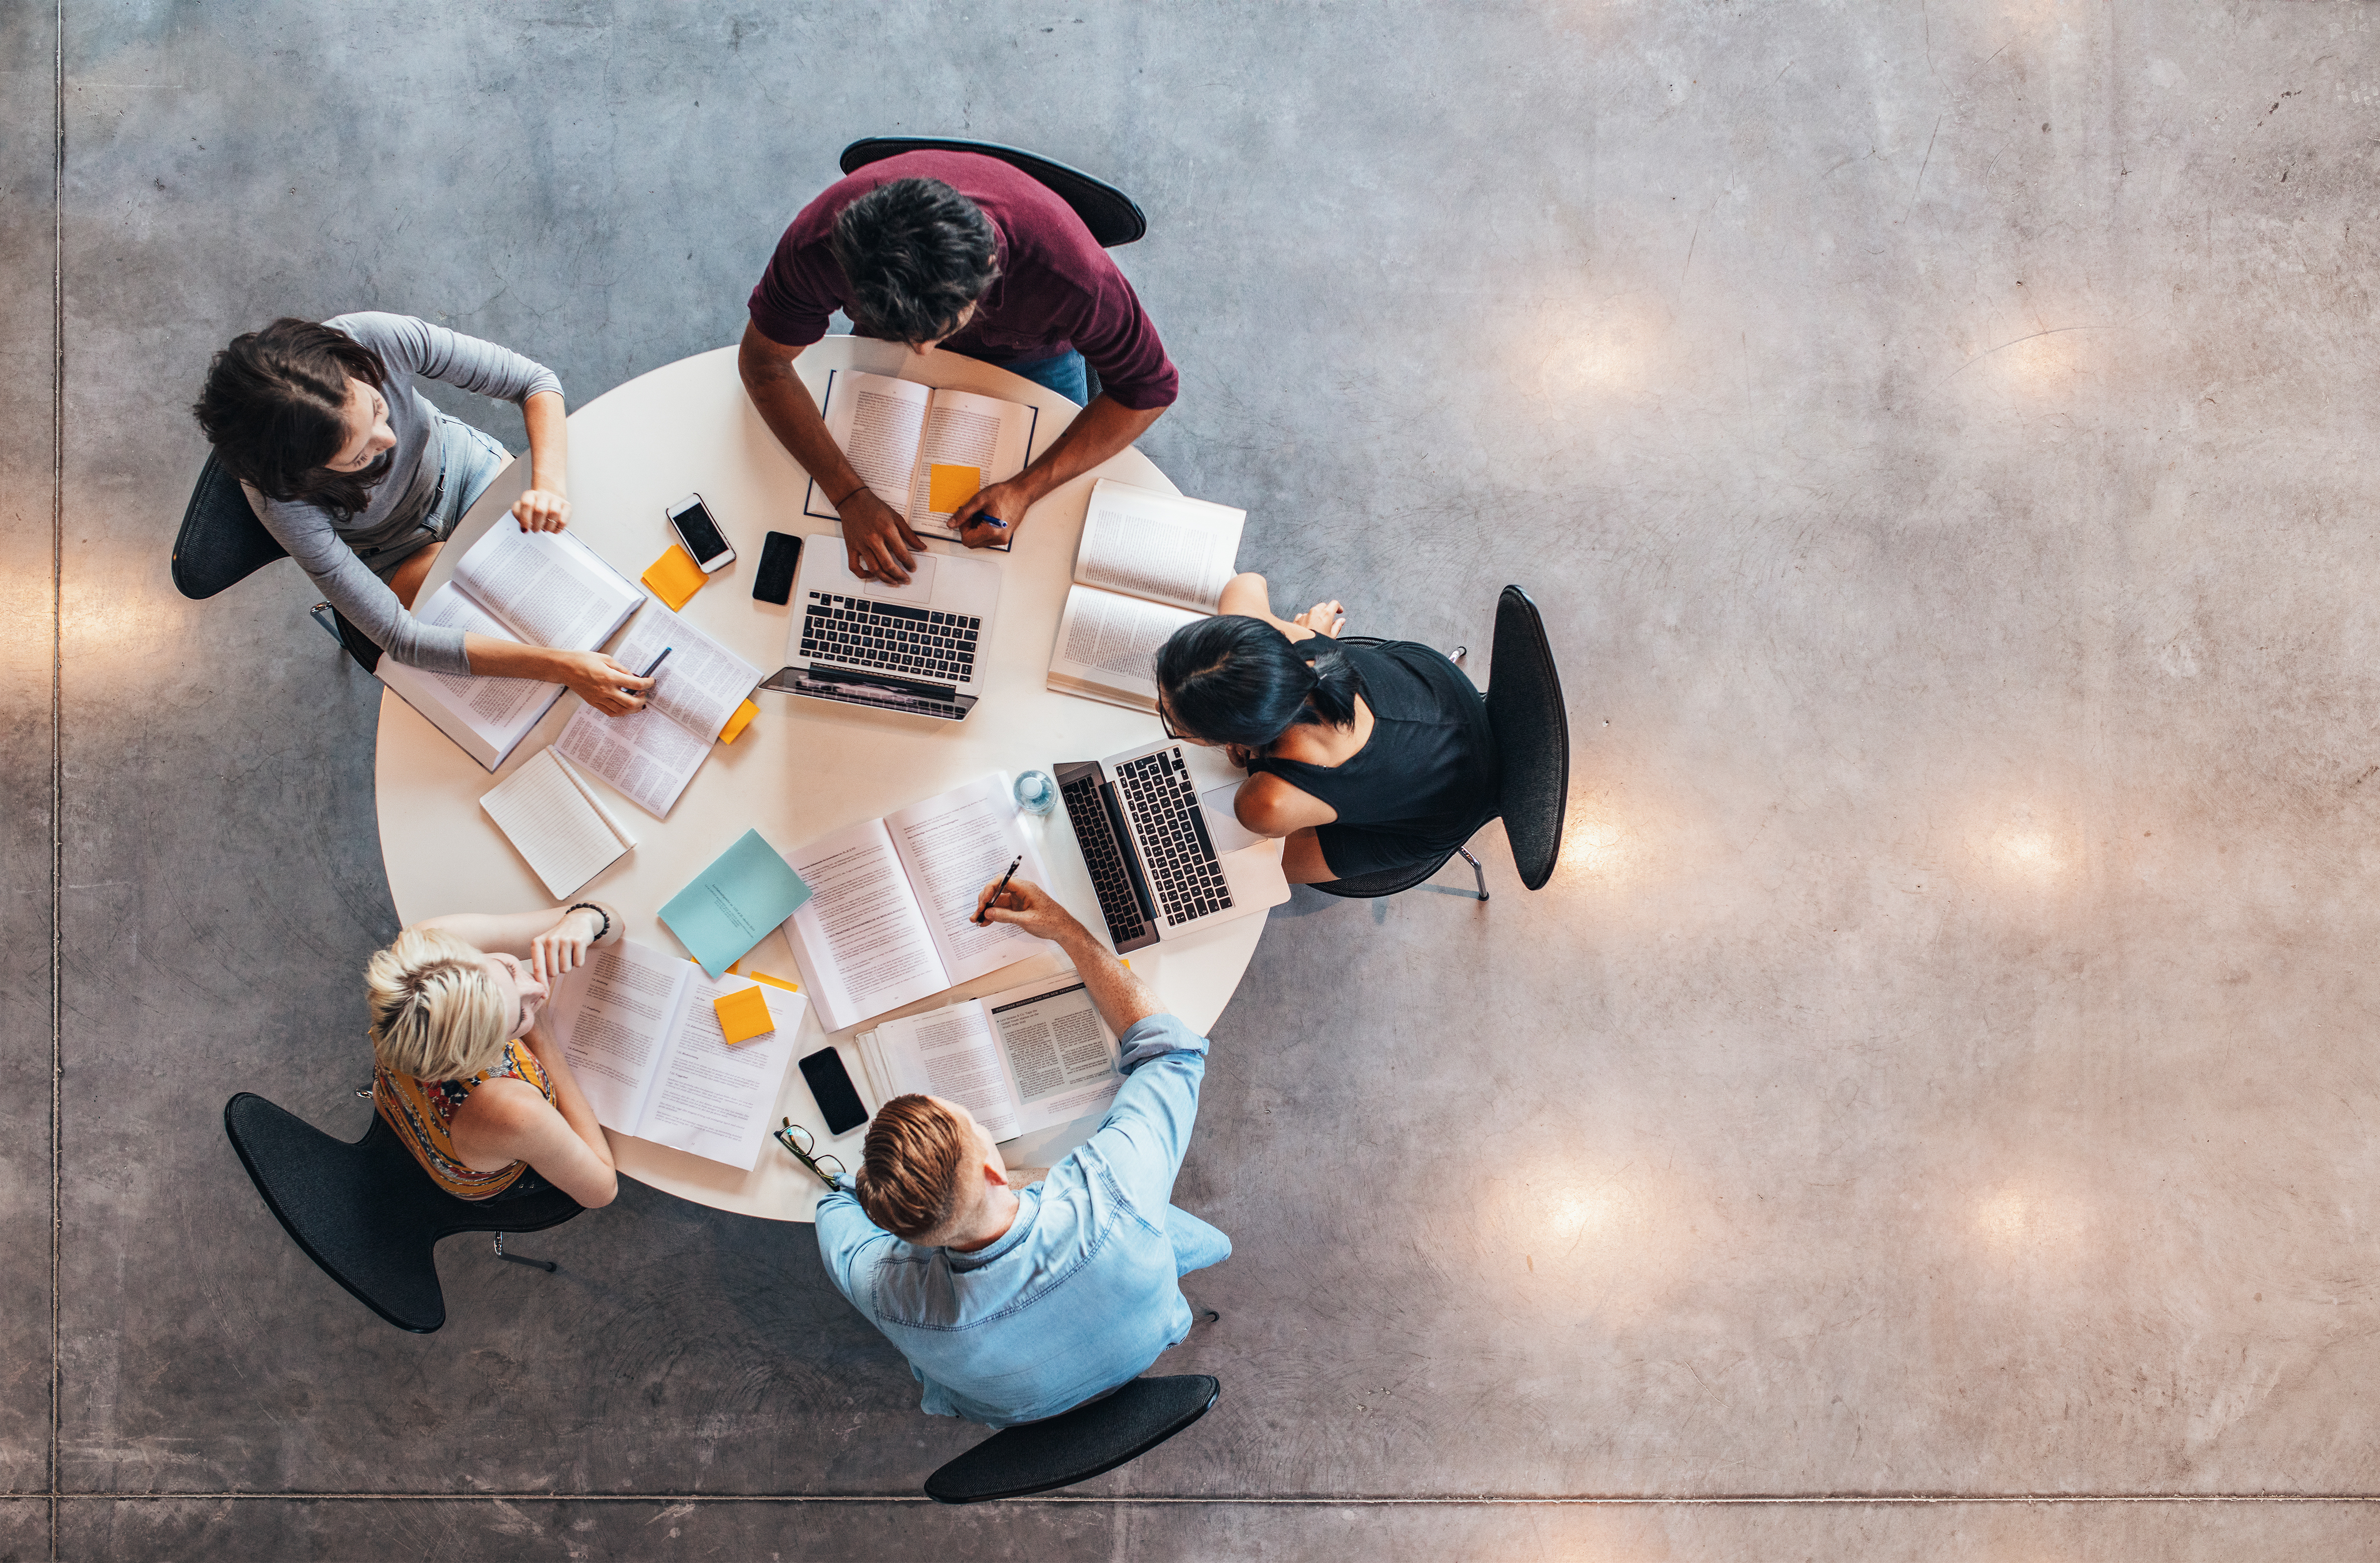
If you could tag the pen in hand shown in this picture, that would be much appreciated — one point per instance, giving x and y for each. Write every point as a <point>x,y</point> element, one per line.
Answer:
<point>1001,891</point>
<point>653,664</point>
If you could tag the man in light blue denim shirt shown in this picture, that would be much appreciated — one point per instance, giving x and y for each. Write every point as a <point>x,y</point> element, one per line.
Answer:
<point>1013,1305</point>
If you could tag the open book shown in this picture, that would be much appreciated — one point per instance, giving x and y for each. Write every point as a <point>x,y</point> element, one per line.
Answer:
<point>891,917</point>
<point>547,588</point>
<point>653,754</point>
<point>1149,563</point>
<point>1029,1058</point>
<point>549,812</point>
<point>640,1031</point>
<point>923,451</point>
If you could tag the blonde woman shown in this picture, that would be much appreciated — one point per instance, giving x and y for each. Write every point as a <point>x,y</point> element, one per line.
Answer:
<point>467,1079</point>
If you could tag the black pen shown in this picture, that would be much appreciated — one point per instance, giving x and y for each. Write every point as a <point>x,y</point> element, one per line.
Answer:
<point>1004,889</point>
<point>656,662</point>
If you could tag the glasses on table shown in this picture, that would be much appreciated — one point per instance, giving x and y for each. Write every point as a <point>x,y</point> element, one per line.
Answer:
<point>799,1141</point>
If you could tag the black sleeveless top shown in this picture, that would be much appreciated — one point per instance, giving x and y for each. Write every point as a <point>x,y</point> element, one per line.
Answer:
<point>1423,782</point>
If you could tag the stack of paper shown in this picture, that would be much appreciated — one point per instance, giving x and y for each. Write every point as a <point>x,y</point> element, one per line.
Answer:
<point>547,810</point>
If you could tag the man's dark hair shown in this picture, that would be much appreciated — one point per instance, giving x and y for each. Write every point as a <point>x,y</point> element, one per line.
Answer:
<point>916,253</point>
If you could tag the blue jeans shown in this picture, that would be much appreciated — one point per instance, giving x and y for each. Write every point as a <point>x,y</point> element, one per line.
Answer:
<point>1062,373</point>
<point>1196,1244</point>
<point>470,461</point>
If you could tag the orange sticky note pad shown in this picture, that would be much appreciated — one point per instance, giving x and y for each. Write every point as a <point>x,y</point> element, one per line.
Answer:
<point>947,487</point>
<point>743,1015</point>
<point>674,577</point>
<point>774,982</point>
<point>738,723</point>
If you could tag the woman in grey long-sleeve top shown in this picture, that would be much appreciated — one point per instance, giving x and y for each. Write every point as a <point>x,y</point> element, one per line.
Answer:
<point>361,479</point>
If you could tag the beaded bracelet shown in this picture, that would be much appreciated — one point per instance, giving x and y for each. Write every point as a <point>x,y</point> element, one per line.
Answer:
<point>591,907</point>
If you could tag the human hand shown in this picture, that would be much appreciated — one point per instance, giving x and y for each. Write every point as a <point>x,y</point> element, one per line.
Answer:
<point>563,947</point>
<point>603,683</point>
<point>990,517</point>
<point>541,510</point>
<point>877,540</point>
<point>1323,618</point>
<point>1027,907</point>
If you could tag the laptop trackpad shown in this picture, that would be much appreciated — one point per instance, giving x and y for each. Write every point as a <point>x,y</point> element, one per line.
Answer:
<point>835,575</point>
<point>1223,827</point>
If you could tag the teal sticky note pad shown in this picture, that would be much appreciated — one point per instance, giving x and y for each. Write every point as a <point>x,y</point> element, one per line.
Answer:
<point>732,906</point>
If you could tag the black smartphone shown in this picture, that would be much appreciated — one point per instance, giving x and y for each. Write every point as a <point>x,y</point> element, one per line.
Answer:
<point>831,1088</point>
<point>774,581</point>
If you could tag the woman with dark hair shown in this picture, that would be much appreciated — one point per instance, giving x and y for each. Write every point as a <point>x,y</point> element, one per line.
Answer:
<point>1366,757</point>
<point>361,479</point>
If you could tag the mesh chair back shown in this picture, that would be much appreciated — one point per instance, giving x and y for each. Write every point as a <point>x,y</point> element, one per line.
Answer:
<point>366,1212</point>
<point>1112,216</point>
<point>1078,1446</point>
<point>1525,707</point>
<point>221,542</point>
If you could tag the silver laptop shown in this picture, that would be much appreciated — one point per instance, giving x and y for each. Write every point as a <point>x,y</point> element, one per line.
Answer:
<point>1166,853</point>
<point>917,647</point>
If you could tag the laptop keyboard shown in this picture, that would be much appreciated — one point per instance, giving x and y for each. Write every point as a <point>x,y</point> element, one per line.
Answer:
<point>1182,871</point>
<point>856,633</point>
<point>1103,857</point>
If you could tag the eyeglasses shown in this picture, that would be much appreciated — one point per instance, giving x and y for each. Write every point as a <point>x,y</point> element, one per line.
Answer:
<point>797,1140</point>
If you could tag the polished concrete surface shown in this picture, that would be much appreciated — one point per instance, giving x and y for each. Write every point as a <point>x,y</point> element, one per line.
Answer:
<point>1940,441</point>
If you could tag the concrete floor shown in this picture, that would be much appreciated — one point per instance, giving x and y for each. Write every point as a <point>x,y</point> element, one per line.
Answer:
<point>1939,438</point>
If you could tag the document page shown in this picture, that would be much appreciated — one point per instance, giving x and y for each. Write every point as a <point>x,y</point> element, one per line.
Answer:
<point>877,423</point>
<point>1107,645</point>
<point>612,1017</point>
<point>953,1053</point>
<point>554,589</point>
<point>861,942</point>
<point>1164,547</point>
<point>548,815</point>
<point>486,717</point>
<point>1059,1054</point>
<point>951,846</point>
<point>713,1099</point>
<point>970,442</point>
<point>645,755</point>
<point>702,682</point>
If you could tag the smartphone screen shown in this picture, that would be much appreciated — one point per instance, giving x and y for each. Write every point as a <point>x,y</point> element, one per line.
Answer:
<point>831,1088</point>
<point>698,532</point>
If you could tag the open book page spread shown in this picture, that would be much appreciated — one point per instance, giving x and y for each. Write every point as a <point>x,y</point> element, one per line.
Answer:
<point>564,834</point>
<point>1061,1056</point>
<point>1162,547</point>
<point>970,442</point>
<point>556,589</point>
<point>712,1098</point>
<point>495,704</point>
<point>953,845</point>
<point>613,1018</point>
<point>861,940</point>
<point>702,682</point>
<point>645,755</point>
<point>1107,645</point>
<point>879,427</point>
<point>959,1057</point>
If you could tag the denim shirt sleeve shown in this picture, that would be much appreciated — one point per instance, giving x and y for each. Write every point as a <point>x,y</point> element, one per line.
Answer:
<point>844,1236</point>
<point>1146,1131</point>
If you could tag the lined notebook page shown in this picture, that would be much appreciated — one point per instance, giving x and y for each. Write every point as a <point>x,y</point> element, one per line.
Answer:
<point>562,831</point>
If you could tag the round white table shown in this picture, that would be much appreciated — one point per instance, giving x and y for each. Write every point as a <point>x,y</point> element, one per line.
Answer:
<point>804,767</point>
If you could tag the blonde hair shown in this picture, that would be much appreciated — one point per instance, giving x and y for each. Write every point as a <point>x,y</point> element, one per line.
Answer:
<point>436,1013</point>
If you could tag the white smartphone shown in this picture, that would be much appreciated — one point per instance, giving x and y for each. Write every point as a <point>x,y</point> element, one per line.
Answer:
<point>690,519</point>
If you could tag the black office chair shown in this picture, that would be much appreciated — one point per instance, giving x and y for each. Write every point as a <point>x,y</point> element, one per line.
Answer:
<point>1084,1442</point>
<point>1113,217</point>
<point>222,543</point>
<point>367,1213</point>
<point>1525,709</point>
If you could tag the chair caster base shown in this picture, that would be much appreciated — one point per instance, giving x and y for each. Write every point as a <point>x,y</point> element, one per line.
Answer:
<point>1477,872</point>
<point>548,1265</point>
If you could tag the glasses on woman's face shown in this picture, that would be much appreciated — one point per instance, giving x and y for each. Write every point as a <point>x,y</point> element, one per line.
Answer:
<point>798,1141</point>
<point>1166,717</point>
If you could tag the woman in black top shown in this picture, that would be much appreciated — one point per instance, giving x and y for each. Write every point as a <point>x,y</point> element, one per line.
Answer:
<point>1366,757</point>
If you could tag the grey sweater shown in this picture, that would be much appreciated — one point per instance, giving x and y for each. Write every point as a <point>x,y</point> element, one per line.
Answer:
<point>326,549</point>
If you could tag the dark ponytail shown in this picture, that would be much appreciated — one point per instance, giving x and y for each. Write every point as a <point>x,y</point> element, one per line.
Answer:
<point>1234,679</point>
<point>273,408</point>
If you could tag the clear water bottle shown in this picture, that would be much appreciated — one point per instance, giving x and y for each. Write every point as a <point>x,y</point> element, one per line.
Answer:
<point>1035,792</point>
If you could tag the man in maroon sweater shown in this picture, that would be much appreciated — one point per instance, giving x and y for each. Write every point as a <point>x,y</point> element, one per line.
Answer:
<point>957,250</point>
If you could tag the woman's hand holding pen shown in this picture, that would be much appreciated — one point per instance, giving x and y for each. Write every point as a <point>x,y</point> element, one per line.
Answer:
<point>603,683</point>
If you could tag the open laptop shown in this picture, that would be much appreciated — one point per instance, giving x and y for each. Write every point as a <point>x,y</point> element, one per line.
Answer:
<point>1166,853</point>
<point>916,648</point>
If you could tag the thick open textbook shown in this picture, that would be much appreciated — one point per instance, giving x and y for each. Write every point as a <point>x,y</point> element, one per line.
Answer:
<point>547,588</point>
<point>549,812</point>
<point>640,1031</point>
<point>923,451</point>
<point>1149,563</point>
<point>891,917</point>
<point>1029,1058</point>
<point>653,754</point>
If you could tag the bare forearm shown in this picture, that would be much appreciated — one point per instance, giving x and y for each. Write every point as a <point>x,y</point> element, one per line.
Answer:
<point>549,443</point>
<point>509,933</point>
<point>569,1101</point>
<point>1098,432</point>
<point>1122,998</point>
<point>785,405</point>
<point>493,658</point>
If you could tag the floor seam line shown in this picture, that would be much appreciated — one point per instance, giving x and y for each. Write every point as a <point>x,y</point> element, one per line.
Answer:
<point>1318,1500</point>
<point>57,752</point>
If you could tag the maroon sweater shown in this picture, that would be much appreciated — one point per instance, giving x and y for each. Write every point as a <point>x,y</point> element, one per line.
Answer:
<point>1056,289</point>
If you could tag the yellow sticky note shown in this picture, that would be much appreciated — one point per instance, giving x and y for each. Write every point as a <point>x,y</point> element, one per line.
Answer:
<point>674,577</point>
<point>738,723</point>
<point>774,982</point>
<point>947,487</point>
<point>743,1015</point>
